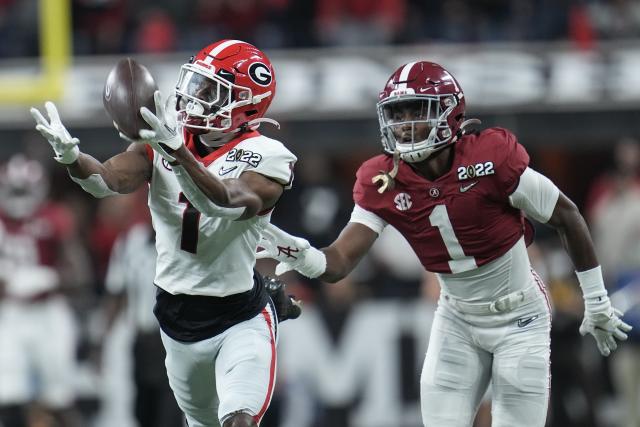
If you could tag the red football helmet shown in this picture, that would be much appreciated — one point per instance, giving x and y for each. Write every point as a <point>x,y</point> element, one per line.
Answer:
<point>23,187</point>
<point>227,85</point>
<point>418,94</point>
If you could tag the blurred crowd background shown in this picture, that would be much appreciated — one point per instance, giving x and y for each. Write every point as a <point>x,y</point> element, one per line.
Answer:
<point>78,342</point>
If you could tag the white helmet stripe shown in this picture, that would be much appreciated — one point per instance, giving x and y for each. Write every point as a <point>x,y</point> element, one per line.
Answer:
<point>216,50</point>
<point>404,74</point>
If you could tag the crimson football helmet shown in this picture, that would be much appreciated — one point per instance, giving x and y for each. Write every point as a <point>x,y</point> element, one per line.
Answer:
<point>23,187</point>
<point>226,86</point>
<point>417,94</point>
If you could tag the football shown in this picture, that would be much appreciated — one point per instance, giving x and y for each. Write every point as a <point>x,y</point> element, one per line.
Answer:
<point>129,86</point>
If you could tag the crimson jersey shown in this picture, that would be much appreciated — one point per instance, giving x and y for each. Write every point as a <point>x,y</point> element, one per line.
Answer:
<point>461,220</point>
<point>36,240</point>
<point>31,248</point>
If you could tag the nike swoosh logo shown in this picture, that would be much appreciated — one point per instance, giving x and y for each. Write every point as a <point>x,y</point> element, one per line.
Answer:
<point>224,171</point>
<point>465,188</point>
<point>524,322</point>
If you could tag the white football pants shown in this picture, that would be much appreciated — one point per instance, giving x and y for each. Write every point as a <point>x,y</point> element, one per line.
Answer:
<point>38,353</point>
<point>467,351</point>
<point>231,372</point>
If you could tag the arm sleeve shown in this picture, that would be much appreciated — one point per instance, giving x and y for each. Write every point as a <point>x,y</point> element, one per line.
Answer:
<point>369,219</point>
<point>536,195</point>
<point>200,201</point>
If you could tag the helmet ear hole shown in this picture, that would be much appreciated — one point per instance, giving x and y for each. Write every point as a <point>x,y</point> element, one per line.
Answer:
<point>251,113</point>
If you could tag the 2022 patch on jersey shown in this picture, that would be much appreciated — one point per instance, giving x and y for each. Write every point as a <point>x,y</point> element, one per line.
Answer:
<point>461,220</point>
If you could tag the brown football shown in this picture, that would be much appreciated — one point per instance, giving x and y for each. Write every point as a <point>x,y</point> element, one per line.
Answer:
<point>129,86</point>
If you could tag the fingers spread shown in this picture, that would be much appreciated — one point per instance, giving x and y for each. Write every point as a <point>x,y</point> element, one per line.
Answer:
<point>150,118</point>
<point>624,326</point>
<point>52,111</point>
<point>38,117</point>
<point>157,99</point>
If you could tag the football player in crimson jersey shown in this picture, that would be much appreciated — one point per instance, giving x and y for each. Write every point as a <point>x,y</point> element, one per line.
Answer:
<point>40,259</point>
<point>213,183</point>
<point>459,198</point>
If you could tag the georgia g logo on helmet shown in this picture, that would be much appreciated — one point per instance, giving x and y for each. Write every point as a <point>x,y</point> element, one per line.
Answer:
<point>260,74</point>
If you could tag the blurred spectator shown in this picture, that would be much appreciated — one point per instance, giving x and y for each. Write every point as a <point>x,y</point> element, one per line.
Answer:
<point>100,26</point>
<point>18,24</point>
<point>614,208</point>
<point>616,225</point>
<point>129,283</point>
<point>616,19</point>
<point>156,32</point>
<point>359,22</point>
<point>40,262</point>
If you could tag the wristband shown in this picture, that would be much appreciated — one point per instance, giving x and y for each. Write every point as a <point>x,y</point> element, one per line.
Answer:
<point>314,263</point>
<point>592,283</point>
<point>95,185</point>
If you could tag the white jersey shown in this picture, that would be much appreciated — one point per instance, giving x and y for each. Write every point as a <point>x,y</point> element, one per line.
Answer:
<point>200,255</point>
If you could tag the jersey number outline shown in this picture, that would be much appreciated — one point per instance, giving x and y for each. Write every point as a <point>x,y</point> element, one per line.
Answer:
<point>459,262</point>
<point>190,226</point>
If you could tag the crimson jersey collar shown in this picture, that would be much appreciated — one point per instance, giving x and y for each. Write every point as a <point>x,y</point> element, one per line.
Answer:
<point>216,154</point>
<point>457,155</point>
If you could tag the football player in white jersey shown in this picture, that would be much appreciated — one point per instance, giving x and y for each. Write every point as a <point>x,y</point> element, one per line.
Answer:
<point>213,182</point>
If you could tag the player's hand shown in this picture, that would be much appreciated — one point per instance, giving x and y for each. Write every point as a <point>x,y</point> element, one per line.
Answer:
<point>162,136</point>
<point>604,323</point>
<point>294,253</point>
<point>63,144</point>
<point>287,307</point>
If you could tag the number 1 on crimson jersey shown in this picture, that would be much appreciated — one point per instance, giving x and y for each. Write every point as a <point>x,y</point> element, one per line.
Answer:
<point>459,261</point>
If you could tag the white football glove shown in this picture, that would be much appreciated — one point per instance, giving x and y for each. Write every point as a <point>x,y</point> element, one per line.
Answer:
<point>604,323</point>
<point>65,146</point>
<point>162,134</point>
<point>294,253</point>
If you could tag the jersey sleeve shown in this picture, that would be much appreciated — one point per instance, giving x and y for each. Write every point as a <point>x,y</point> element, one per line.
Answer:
<point>365,192</point>
<point>536,195</point>
<point>369,219</point>
<point>276,162</point>
<point>511,160</point>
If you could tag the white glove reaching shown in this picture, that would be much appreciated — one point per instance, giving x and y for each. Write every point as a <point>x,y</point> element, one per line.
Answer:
<point>65,147</point>
<point>604,323</point>
<point>163,129</point>
<point>294,253</point>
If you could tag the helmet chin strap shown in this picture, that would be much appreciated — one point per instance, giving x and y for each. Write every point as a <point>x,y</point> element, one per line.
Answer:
<point>218,139</point>
<point>255,123</point>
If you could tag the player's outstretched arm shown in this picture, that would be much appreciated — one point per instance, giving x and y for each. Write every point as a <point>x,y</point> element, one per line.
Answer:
<point>239,198</point>
<point>600,319</point>
<point>330,264</point>
<point>230,198</point>
<point>121,174</point>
